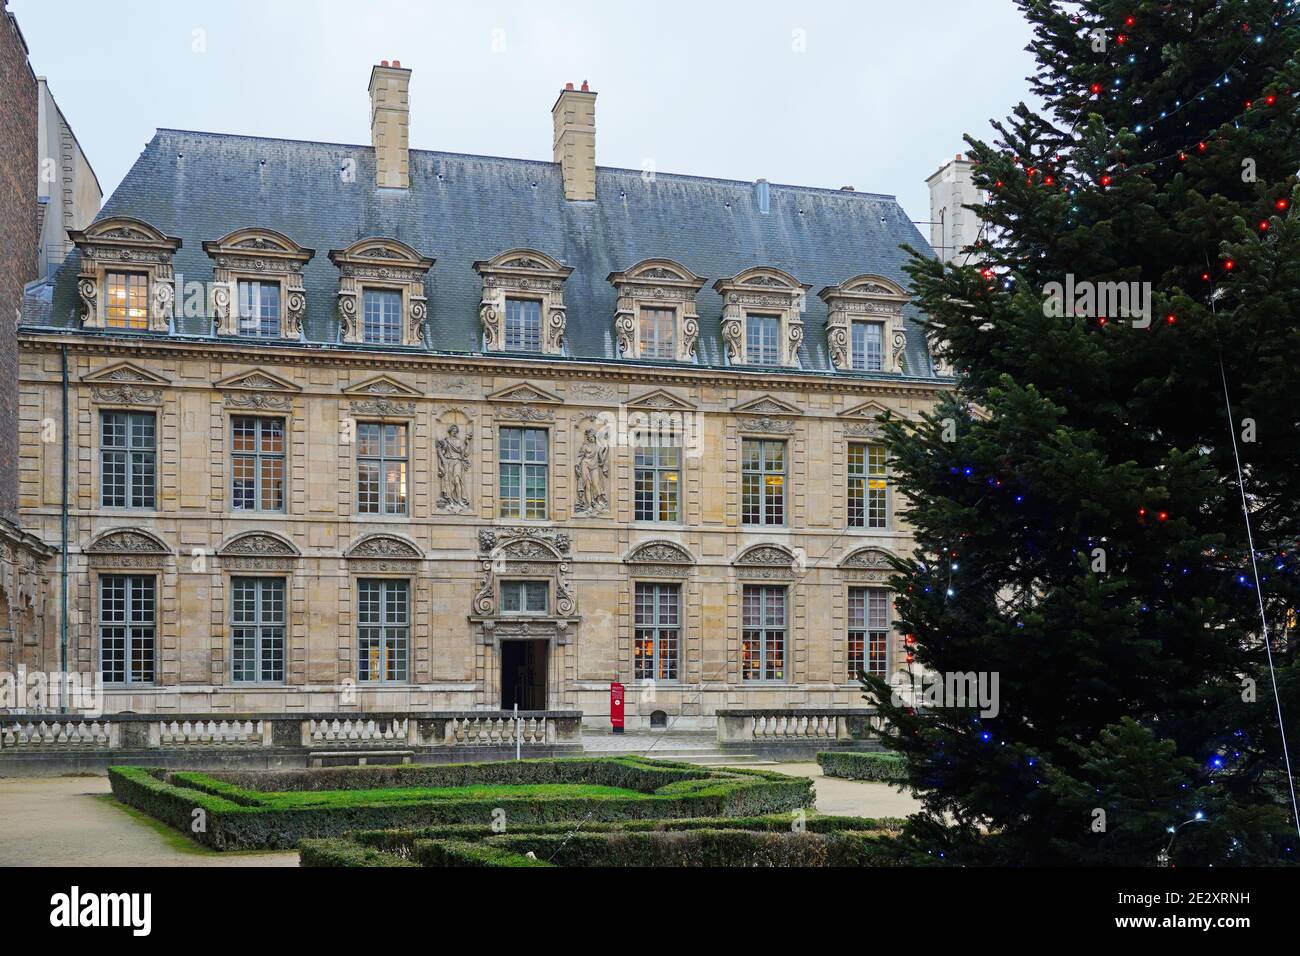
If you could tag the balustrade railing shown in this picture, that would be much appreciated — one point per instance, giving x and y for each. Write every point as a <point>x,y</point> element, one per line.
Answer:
<point>793,725</point>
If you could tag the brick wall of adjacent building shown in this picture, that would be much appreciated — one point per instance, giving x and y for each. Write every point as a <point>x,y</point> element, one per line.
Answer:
<point>18,233</point>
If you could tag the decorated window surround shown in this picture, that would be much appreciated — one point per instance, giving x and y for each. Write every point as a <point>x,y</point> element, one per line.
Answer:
<point>258,255</point>
<point>380,263</point>
<point>523,274</point>
<point>766,290</point>
<point>125,244</point>
<point>657,284</point>
<point>869,297</point>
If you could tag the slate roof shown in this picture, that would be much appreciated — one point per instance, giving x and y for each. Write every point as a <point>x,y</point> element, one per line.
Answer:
<point>463,208</point>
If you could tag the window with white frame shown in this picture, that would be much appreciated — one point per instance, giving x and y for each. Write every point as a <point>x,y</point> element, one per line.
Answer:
<point>522,464</point>
<point>657,479</point>
<point>658,628</point>
<point>128,459</point>
<point>257,629</point>
<point>126,300</point>
<point>384,630</point>
<point>762,339</point>
<point>868,486</point>
<point>868,631</point>
<point>868,346</point>
<point>525,597</point>
<point>523,325</point>
<point>762,491</point>
<point>259,308</point>
<point>381,468</point>
<point>257,463</point>
<point>381,320</point>
<point>127,628</point>
<point>763,623</point>
<point>658,333</point>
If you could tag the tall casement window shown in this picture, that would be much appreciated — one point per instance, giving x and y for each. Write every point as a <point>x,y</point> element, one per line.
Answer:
<point>868,486</point>
<point>868,346</point>
<point>658,333</point>
<point>522,465</point>
<point>657,480</point>
<point>658,627</point>
<point>126,300</point>
<point>384,629</point>
<point>524,597</point>
<point>259,308</point>
<point>523,325</point>
<point>381,469</point>
<point>257,629</point>
<point>381,318</point>
<point>762,491</point>
<point>127,619</point>
<point>763,622</point>
<point>257,464</point>
<point>128,464</point>
<point>763,339</point>
<point>868,630</point>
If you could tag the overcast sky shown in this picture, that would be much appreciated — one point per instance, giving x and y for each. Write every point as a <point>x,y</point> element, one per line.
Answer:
<point>872,93</point>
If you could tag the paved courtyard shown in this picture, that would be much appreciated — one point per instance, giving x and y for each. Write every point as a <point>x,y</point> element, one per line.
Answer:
<point>73,821</point>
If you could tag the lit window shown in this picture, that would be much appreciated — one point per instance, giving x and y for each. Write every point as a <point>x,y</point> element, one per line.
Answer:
<point>128,459</point>
<point>763,624</point>
<point>868,630</point>
<point>658,333</point>
<point>126,302</point>
<point>257,629</point>
<point>868,487</point>
<point>384,630</point>
<point>257,464</point>
<point>382,317</point>
<point>524,597</point>
<point>868,346</point>
<point>762,490</point>
<point>658,623</point>
<point>523,325</point>
<point>259,308</point>
<point>657,479</point>
<point>381,469</point>
<point>763,340</point>
<point>127,608</point>
<point>523,472</point>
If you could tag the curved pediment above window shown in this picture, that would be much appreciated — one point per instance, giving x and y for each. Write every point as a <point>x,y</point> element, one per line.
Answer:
<point>871,565</point>
<point>767,556</point>
<point>757,298</point>
<point>257,285</point>
<point>127,548</point>
<point>524,544</point>
<point>660,557</point>
<point>522,308</point>
<point>259,551</point>
<point>125,278</point>
<point>384,546</point>
<point>864,324</point>
<point>657,316</point>
<point>381,297</point>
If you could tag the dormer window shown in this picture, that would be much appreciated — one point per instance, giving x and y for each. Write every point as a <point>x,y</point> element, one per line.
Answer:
<point>381,292</point>
<point>126,279</point>
<point>522,309</point>
<point>762,317</point>
<point>523,325</point>
<point>657,318</point>
<point>257,285</point>
<point>864,324</point>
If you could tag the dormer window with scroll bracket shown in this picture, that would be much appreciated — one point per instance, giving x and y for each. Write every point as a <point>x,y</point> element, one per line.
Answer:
<point>762,317</point>
<point>381,292</point>
<point>657,317</point>
<point>522,309</point>
<point>257,283</point>
<point>864,324</point>
<point>126,279</point>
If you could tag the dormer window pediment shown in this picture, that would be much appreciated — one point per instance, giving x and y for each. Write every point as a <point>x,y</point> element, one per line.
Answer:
<point>864,324</point>
<point>126,279</point>
<point>522,307</point>
<point>381,298</point>
<point>257,286</point>
<point>657,316</point>
<point>762,317</point>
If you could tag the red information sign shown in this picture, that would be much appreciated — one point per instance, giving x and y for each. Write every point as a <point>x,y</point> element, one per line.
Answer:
<point>616,706</point>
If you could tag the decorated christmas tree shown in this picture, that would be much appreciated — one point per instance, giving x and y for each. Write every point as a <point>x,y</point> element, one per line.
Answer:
<point>1126,348</point>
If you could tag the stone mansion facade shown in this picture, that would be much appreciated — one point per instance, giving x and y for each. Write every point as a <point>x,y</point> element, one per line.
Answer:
<point>389,429</point>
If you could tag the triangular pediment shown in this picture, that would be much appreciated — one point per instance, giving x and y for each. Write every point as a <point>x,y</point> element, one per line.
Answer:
<point>661,399</point>
<point>524,392</point>
<point>869,410</point>
<point>126,372</point>
<point>767,405</point>
<point>383,385</point>
<point>257,378</point>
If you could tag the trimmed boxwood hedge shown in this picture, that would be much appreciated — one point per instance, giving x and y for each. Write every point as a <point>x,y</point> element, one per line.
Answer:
<point>340,852</point>
<point>234,818</point>
<point>856,765</point>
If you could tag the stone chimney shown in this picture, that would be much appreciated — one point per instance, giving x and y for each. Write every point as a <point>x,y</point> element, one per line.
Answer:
<point>574,115</point>
<point>952,227</point>
<point>390,123</point>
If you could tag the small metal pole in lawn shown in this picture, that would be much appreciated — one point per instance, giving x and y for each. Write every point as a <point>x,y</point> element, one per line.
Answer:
<point>517,737</point>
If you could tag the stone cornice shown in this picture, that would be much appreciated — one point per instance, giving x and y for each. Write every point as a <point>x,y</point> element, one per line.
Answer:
<point>542,368</point>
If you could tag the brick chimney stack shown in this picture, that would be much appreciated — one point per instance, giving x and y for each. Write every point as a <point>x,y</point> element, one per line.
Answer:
<point>390,122</point>
<point>574,116</point>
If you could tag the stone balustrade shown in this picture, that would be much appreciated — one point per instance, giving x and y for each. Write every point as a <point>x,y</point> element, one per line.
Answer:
<point>796,725</point>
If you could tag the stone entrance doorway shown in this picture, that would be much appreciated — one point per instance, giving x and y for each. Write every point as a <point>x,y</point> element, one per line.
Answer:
<point>523,674</point>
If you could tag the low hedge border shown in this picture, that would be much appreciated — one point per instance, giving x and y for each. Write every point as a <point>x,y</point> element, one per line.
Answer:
<point>458,853</point>
<point>339,852</point>
<point>883,767</point>
<point>232,817</point>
